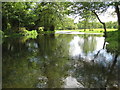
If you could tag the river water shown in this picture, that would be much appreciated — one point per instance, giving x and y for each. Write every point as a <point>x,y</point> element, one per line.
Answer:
<point>61,60</point>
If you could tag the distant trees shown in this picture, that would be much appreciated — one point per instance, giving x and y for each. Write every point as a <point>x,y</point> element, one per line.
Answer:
<point>96,25</point>
<point>111,25</point>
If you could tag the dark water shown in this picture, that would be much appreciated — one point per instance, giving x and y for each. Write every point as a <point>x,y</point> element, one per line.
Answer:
<point>59,61</point>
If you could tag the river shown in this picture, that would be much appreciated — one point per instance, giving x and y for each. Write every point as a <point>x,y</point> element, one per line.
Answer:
<point>60,60</point>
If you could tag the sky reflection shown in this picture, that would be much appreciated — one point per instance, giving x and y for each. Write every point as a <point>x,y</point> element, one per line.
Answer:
<point>79,44</point>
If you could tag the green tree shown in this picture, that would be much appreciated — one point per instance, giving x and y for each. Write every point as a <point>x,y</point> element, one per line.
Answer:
<point>33,15</point>
<point>85,9</point>
<point>68,23</point>
<point>16,14</point>
<point>51,14</point>
<point>111,25</point>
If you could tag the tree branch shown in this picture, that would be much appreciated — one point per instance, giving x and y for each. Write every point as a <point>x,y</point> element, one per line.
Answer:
<point>100,22</point>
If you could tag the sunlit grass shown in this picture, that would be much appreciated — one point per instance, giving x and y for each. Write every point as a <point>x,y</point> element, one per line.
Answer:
<point>29,33</point>
<point>79,30</point>
<point>26,33</point>
<point>90,30</point>
<point>34,33</point>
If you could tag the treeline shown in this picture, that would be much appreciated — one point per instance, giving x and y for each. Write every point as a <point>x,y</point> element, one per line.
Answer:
<point>70,25</point>
<point>31,15</point>
<point>53,15</point>
<point>96,25</point>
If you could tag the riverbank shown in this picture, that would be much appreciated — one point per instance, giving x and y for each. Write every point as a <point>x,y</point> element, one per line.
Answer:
<point>27,33</point>
<point>114,41</point>
<point>57,55</point>
<point>35,33</point>
<point>112,35</point>
<point>90,31</point>
<point>78,30</point>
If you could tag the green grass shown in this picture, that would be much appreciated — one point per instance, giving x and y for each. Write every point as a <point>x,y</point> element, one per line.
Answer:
<point>79,30</point>
<point>27,33</point>
<point>114,41</point>
<point>34,33</point>
<point>90,31</point>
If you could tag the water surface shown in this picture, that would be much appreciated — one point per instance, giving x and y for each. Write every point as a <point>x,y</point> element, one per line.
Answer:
<point>59,61</point>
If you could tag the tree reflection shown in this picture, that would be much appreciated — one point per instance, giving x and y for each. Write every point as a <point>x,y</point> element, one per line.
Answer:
<point>98,74</point>
<point>36,63</point>
<point>45,62</point>
<point>89,43</point>
<point>54,56</point>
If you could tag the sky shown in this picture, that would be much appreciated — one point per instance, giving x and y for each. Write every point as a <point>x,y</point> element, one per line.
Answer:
<point>105,17</point>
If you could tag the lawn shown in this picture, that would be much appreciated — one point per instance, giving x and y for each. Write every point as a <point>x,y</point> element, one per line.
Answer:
<point>90,31</point>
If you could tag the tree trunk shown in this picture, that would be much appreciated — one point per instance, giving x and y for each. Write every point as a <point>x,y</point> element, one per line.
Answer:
<point>45,28</point>
<point>52,28</point>
<point>4,24</point>
<point>104,26</point>
<point>118,15</point>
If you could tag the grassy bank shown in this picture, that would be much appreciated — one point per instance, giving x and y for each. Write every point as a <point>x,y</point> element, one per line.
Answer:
<point>34,33</point>
<point>79,30</point>
<point>114,41</point>
<point>90,31</point>
<point>27,33</point>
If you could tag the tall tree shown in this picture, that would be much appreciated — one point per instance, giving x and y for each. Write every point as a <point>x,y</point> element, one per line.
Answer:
<point>50,14</point>
<point>92,8</point>
<point>16,14</point>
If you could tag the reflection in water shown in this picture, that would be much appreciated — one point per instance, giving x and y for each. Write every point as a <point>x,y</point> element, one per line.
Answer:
<point>85,47</point>
<point>75,44</point>
<point>60,60</point>
<point>94,66</point>
<point>72,82</point>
